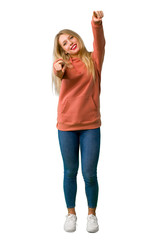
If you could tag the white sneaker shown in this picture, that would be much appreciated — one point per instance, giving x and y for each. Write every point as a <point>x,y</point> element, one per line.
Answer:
<point>92,223</point>
<point>70,223</point>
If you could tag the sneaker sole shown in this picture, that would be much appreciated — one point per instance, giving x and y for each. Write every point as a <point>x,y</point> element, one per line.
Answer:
<point>70,231</point>
<point>93,231</point>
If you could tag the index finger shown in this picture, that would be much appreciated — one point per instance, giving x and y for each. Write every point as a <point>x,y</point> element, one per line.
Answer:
<point>60,61</point>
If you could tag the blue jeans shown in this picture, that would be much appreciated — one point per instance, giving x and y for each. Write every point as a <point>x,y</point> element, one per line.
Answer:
<point>89,143</point>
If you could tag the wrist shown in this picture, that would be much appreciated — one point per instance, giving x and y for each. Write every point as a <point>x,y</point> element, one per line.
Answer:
<point>97,22</point>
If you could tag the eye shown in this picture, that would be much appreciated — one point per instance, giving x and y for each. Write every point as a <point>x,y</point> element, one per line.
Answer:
<point>71,37</point>
<point>64,44</point>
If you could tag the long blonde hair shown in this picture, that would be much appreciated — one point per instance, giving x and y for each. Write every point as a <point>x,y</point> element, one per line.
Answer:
<point>58,52</point>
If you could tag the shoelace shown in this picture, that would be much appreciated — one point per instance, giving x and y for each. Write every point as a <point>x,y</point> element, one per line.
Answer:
<point>70,218</point>
<point>92,218</point>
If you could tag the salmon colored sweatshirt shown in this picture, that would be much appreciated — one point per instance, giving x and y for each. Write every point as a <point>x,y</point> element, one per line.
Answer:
<point>79,98</point>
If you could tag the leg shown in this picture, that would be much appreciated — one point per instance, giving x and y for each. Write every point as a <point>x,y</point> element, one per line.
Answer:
<point>69,146</point>
<point>90,148</point>
<point>91,211</point>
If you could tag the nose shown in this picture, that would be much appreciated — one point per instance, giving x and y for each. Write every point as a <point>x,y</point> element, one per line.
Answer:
<point>70,41</point>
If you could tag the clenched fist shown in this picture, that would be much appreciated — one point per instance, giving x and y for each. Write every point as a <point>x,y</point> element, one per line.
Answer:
<point>60,68</point>
<point>97,16</point>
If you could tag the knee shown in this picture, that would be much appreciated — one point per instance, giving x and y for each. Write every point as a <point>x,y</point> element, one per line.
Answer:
<point>70,173</point>
<point>90,179</point>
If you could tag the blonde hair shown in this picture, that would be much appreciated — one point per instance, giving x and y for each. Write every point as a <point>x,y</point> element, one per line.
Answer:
<point>58,52</point>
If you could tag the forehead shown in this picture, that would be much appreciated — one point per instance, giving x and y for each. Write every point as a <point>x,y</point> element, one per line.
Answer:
<point>63,37</point>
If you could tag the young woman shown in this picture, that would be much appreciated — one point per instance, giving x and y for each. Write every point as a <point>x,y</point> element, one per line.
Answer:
<point>77,80</point>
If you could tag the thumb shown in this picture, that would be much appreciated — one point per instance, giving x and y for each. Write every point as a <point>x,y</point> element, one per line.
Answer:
<point>63,68</point>
<point>94,14</point>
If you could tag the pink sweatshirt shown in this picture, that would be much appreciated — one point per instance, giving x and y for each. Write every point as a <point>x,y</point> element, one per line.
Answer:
<point>79,98</point>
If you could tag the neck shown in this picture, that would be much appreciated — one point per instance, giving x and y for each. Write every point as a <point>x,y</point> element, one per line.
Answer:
<point>75,56</point>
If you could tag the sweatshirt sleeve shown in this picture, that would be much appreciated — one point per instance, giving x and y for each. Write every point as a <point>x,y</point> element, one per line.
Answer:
<point>98,44</point>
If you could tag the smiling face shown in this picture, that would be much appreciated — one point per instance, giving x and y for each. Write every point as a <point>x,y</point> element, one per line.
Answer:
<point>70,44</point>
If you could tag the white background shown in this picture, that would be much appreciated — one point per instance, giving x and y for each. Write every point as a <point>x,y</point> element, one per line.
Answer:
<point>32,203</point>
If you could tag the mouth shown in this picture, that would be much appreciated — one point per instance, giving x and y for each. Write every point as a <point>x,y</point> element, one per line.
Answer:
<point>74,47</point>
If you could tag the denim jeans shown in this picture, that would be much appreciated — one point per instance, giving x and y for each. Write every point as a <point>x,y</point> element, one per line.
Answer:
<point>88,141</point>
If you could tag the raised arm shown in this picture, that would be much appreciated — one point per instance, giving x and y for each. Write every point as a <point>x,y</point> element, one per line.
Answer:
<point>99,40</point>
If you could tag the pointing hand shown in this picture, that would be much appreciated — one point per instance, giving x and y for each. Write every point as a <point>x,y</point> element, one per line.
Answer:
<point>60,68</point>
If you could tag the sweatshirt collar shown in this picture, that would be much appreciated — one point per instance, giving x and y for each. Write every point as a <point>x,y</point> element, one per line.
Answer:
<point>72,60</point>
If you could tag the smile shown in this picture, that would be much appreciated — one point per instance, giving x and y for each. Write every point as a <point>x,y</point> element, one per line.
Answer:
<point>74,47</point>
